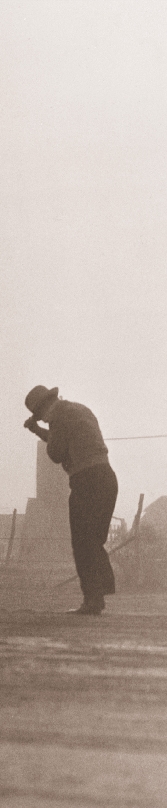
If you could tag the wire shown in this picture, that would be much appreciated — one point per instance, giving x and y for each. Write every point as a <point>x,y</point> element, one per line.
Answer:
<point>139,437</point>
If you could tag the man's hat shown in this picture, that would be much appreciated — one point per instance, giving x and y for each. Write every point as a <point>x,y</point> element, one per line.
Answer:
<point>39,395</point>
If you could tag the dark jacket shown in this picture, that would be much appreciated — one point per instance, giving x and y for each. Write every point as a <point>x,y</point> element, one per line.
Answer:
<point>75,439</point>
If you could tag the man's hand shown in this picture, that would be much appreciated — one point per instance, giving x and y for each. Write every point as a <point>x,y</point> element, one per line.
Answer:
<point>31,424</point>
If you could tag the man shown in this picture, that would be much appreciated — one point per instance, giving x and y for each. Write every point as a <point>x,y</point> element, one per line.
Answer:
<point>74,439</point>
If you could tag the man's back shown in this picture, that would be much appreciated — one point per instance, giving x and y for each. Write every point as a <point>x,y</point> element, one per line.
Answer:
<point>74,433</point>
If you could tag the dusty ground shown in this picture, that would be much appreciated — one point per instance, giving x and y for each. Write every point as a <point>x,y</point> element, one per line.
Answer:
<point>83,706</point>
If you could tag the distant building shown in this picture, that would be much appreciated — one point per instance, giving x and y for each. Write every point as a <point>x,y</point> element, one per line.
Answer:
<point>46,537</point>
<point>153,546</point>
<point>42,553</point>
<point>155,516</point>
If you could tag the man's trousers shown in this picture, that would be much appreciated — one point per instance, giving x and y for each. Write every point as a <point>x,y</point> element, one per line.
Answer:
<point>91,505</point>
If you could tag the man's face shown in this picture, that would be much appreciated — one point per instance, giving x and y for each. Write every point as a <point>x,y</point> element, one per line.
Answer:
<point>44,411</point>
<point>43,416</point>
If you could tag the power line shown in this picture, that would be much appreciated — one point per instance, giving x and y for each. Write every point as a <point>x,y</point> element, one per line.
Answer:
<point>138,437</point>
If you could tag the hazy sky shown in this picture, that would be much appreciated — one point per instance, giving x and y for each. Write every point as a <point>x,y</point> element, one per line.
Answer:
<point>84,244</point>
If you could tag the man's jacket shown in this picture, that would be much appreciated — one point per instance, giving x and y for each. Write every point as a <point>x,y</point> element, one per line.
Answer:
<point>74,437</point>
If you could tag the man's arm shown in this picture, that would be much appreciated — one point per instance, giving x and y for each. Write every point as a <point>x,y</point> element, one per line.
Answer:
<point>32,425</point>
<point>42,433</point>
<point>57,440</point>
<point>55,437</point>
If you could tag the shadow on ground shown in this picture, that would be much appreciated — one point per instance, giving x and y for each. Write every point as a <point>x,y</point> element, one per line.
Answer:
<point>83,707</point>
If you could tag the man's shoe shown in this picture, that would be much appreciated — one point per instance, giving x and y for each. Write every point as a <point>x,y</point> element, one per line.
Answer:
<point>91,607</point>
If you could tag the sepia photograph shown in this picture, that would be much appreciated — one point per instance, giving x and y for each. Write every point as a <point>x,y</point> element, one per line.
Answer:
<point>83,343</point>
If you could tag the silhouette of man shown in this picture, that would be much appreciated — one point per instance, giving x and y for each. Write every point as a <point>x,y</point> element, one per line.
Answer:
<point>74,439</point>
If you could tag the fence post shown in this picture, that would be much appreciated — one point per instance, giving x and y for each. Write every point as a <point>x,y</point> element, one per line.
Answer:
<point>11,539</point>
<point>135,530</point>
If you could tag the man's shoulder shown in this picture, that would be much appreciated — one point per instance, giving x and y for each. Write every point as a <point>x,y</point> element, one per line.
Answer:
<point>60,409</point>
<point>64,409</point>
<point>77,409</point>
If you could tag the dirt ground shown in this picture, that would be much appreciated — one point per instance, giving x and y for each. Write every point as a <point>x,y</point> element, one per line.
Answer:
<point>83,706</point>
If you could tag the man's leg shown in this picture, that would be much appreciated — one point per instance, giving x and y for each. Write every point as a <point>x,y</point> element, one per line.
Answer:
<point>107,574</point>
<point>84,548</point>
<point>106,495</point>
<point>91,505</point>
